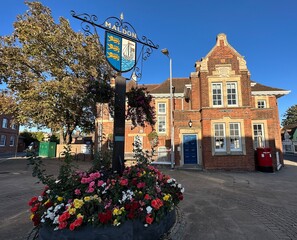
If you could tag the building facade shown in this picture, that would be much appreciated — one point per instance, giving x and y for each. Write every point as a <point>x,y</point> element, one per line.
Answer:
<point>220,116</point>
<point>8,134</point>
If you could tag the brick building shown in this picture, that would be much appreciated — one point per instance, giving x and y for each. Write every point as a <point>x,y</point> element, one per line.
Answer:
<point>8,134</point>
<point>230,115</point>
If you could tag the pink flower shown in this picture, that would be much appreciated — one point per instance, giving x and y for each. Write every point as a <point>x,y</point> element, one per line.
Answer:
<point>95,175</point>
<point>100,183</point>
<point>84,180</point>
<point>77,191</point>
<point>91,184</point>
<point>90,190</point>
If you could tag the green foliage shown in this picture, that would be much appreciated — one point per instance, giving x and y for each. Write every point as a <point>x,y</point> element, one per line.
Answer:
<point>153,138</point>
<point>54,138</point>
<point>28,137</point>
<point>102,160</point>
<point>54,73</point>
<point>290,117</point>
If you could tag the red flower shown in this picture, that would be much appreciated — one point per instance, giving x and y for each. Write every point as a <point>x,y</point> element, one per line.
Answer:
<point>72,226</point>
<point>33,200</point>
<point>62,225</point>
<point>134,181</point>
<point>135,205</point>
<point>131,215</point>
<point>36,219</point>
<point>124,182</point>
<point>141,185</point>
<point>105,217</point>
<point>149,219</point>
<point>156,203</point>
<point>35,208</point>
<point>147,197</point>
<point>48,204</point>
<point>64,217</point>
<point>76,223</point>
<point>180,196</point>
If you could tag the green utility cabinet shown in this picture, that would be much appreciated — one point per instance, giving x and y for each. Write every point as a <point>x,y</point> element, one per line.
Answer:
<point>47,149</point>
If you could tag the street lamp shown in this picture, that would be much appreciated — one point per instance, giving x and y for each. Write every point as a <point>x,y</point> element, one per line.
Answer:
<point>166,53</point>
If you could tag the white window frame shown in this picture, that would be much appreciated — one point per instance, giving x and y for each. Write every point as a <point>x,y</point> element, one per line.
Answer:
<point>261,103</point>
<point>14,126</point>
<point>2,140</point>
<point>229,85</point>
<point>236,135</point>
<point>162,119</point>
<point>214,95</point>
<point>217,135</point>
<point>161,108</point>
<point>5,123</point>
<point>11,141</point>
<point>257,137</point>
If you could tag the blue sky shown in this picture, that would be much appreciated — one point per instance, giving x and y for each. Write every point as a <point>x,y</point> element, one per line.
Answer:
<point>264,32</point>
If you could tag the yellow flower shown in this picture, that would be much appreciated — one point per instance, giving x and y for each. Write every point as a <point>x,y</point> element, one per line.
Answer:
<point>72,211</point>
<point>87,199</point>
<point>60,199</point>
<point>78,203</point>
<point>31,216</point>
<point>115,211</point>
<point>46,202</point>
<point>115,222</point>
<point>167,197</point>
<point>79,216</point>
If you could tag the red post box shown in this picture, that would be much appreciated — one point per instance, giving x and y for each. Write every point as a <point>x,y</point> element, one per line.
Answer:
<point>264,160</point>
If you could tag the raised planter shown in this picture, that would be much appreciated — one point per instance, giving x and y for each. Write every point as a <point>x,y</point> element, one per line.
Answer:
<point>130,230</point>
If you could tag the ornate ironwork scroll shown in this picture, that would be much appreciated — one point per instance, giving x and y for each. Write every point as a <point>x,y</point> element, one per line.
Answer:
<point>117,26</point>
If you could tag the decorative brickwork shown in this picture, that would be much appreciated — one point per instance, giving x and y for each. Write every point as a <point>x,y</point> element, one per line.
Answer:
<point>230,114</point>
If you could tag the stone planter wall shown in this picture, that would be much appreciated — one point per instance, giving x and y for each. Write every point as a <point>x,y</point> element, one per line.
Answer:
<point>130,230</point>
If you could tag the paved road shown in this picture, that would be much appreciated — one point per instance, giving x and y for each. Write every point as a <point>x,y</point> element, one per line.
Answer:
<point>217,205</point>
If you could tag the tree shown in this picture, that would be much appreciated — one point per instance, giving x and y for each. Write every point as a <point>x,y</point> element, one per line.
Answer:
<point>290,116</point>
<point>55,75</point>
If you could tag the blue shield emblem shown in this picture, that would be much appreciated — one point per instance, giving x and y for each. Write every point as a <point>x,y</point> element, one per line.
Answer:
<point>120,52</point>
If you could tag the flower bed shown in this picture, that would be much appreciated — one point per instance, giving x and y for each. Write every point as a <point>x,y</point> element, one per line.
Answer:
<point>99,199</point>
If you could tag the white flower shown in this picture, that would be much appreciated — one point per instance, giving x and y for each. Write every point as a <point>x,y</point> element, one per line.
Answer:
<point>40,198</point>
<point>149,209</point>
<point>169,180</point>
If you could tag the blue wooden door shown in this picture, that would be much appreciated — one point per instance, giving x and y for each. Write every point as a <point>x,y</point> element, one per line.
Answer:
<point>190,149</point>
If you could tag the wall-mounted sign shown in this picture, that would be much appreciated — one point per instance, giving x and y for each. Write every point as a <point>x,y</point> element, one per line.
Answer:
<point>120,52</point>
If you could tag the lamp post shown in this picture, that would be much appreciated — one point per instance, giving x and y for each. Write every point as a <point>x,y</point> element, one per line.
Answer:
<point>166,53</point>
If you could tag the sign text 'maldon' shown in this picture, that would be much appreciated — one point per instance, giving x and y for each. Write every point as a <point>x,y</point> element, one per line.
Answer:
<point>120,30</point>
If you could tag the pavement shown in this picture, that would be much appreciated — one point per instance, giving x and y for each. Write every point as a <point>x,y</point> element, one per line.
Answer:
<point>238,205</point>
<point>217,205</point>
